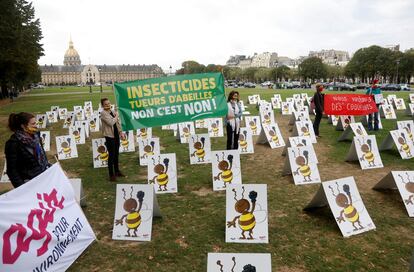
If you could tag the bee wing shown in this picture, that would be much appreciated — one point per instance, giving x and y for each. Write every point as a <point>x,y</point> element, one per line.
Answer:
<point>172,174</point>
<point>236,171</point>
<point>146,214</point>
<point>260,214</point>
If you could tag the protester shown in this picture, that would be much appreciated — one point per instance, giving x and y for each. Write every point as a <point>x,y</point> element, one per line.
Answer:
<point>233,119</point>
<point>376,92</point>
<point>318,102</point>
<point>112,131</point>
<point>25,155</point>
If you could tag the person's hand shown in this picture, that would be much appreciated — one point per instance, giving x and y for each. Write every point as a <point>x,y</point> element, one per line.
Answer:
<point>123,136</point>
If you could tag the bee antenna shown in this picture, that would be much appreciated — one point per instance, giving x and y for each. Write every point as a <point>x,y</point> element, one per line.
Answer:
<point>218,159</point>
<point>234,263</point>
<point>123,190</point>
<point>333,193</point>
<point>223,156</point>
<point>132,189</point>
<point>242,191</point>
<point>402,179</point>
<point>153,160</point>
<point>159,159</point>
<point>221,266</point>
<point>359,142</point>
<point>402,135</point>
<point>408,176</point>
<point>235,194</point>
<point>337,186</point>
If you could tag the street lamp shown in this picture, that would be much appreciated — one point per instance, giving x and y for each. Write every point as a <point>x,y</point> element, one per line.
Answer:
<point>398,63</point>
<point>100,77</point>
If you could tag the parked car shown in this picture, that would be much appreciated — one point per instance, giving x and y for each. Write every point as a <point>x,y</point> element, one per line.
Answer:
<point>340,86</point>
<point>405,87</point>
<point>362,86</point>
<point>390,87</point>
<point>266,84</point>
<point>249,85</point>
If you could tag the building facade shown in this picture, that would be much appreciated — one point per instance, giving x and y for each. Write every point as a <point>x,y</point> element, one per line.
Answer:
<point>265,59</point>
<point>73,72</point>
<point>331,57</point>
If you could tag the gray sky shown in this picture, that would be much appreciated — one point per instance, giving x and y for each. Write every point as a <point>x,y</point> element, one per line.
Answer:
<point>166,32</point>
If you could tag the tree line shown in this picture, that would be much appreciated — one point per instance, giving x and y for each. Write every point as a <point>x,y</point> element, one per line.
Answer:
<point>20,47</point>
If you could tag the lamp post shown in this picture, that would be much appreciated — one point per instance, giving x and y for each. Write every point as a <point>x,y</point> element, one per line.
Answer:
<point>398,63</point>
<point>100,78</point>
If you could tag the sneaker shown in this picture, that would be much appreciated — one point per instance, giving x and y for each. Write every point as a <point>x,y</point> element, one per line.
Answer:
<point>119,175</point>
<point>112,178</point>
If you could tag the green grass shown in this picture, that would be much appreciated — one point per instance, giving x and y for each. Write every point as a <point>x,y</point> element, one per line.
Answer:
<point>193,221</point>
<point>85,89</point>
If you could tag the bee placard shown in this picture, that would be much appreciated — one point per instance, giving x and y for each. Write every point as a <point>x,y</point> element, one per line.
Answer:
<point>199,146</point>
<point>333,119</point>
<point>78,133</point>
<point>271,134</point>
<point>94,123</point>
<point>201,123</point>
<point>128,143</point>
<point>52,117</point>
<point>304,96</point>
<point>215,127</point>
<point>253,99</point>
<point>246,141</point>
<point>243,262</point>
<point>170,127</point>
<point>136,204</point>
<point>185,130</point>
<point>144,133</point>
<point>267,116</point>
<point>399,104</point>
<point>404,182</point>
<point>80,115</point>
<point>77,108</point>
<point>100,153</point>
<point>4,176</point>
<point>304,128</point>
<point>299,141</point>
<point>365,150</point>
<point>243,107</point>
<point>225,168</point>
<point>401,140</point>
<point>356,129</point>
<point>162,172</point>
<point>287,108</point>
<point>88,111</point>
<point>147,148</point>
<point>69,120</point>
<point>410,110</point>
<point>62,113</point>
<point>85,125</point>
<point>66,147</point>
<point>299,116</point>
<point>347,207</point>
<point>45,140</point>
<point>344,121</point>
<point>411,95</point>
<point>41,120</point>
<point>254,124</point>
<point>388,112</point>
<point>407,126</point>
<point>276,103</point>
<point>246,213</point>
<point>55,108</point>
<point>302,164</point>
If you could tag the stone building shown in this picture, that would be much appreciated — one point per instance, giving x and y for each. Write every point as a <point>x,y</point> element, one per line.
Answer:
<point>265,59</point>
<point>73,72</point>
<point>331,57</point>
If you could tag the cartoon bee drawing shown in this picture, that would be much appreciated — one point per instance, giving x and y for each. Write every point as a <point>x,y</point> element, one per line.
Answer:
<point>186,131</point>
<point>201,123</point>
<point>143,133</point>
<point>266,118</point>
<point>43,138</point>
<point>273,135</point>
<point>103,153</point>
<point>88,111</point>
<point>253,126</point>
<point>409,132</point>
<point>148,149</point>
<point>285,109</point>
<point>359,130</point>
<point>133,216</point>
<point>65,147</point>
<point>68,121</point>
<point>243,141</point>
<point>303,162</point>
<point>125,141</point>
<point>388,112</point>
<point>404,146</point>
<point>345,202</point>
<point>246,268</point>
<point>199,149</point>
<point>347,121</point>
<point>215,128</point>
<point>305,130</point>
<point>40,121</point>
<point>161,171</point>
<point>299,143</point>
<point>79,115</point>
<point>50,117</point>
<point>409,186</point>
<point>92,123</point>
<point>77,134</point>
<point>367,150</point>
<point>246,219</point>
<point>226,175</point>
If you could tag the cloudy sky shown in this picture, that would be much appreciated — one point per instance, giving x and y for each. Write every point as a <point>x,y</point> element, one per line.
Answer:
<point>166,32</point>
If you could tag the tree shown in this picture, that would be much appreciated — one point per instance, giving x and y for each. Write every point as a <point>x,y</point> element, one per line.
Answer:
<point>248,74</point>
<point>312,68</point>
<point>20,47</point>
<point>190,67</point>
<point>262,74</point>
<point>280,73</point>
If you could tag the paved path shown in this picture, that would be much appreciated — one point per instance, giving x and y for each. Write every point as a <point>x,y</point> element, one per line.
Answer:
<point>64,93</point>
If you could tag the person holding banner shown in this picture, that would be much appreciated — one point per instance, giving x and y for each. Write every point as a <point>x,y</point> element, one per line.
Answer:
<point>112,131</point>
<point>317,99</point>
<point>232,120</point>
<point>375,91</point>
<point>24,151</point>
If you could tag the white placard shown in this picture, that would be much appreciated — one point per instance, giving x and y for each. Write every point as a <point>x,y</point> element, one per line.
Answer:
<point>246,141</point>
<point>271,134</point>
<point>253,99</point>
<point>41,120</point>
<point>162,172</point>
<point>78,133</point>
<point>244,262</point>
<point>303,165</point>
<point>147,148</point>
<point>387,111</point>
<point>215,127</point>
<point>100,153</point>
<point>69,120</point>
<point>94,123</point>
<point>276,103</point>
<point>136,204</point>
<point>364,149</point>
<point>254,124</point>
<point>390,98</point>
<point>52,117</point>
<point>128,143</point>
<point>80,114</point>
<point>45,139</point>
<point>62,113</point>
<point>225,168</point>
<point>333,119</point>
<point>85,125</point>
<point>399,104</point>
<point>66,147</point>
<point>354,129</point>
<point>267,117</point>
<point>201,123</point>
<point>408,127</point>
<point>299,141</point>
<point>287,108</point>
<point>305,128</point>
<point>199,146</point>
<point>403,143</point>
<point>144,133</point>
<point>344,121</point>
<point>185,130</point>
<point>246,213</point>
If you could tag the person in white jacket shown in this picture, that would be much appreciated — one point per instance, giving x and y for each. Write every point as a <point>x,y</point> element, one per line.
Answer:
<point>233,120</point>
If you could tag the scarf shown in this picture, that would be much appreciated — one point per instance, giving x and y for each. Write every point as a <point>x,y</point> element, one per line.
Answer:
<point>234,111</point>
<point>33,145</point>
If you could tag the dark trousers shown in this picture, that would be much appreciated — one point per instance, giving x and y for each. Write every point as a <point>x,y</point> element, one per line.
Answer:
<point>317,121</point>
<point>373,117</point>
<point>112,144</point>
<point>232,138</point>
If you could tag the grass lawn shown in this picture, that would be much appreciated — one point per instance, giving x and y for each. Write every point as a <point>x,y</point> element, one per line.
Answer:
<point>193,221</point>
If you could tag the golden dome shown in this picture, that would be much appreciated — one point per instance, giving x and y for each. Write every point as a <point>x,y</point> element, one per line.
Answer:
<point>71,55</point>
<point>71,52</point>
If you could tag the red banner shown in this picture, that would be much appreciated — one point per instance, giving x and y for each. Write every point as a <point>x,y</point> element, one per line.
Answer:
<point>349,104</point>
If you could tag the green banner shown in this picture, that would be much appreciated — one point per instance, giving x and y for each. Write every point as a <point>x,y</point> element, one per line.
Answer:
<point>167,100</point>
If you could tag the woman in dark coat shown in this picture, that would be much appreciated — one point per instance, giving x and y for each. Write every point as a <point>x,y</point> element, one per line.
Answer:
<point>25,155</point>
<point>318,102</point>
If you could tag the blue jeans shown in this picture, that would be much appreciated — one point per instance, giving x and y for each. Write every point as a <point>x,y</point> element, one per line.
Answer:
<point>373,117</point>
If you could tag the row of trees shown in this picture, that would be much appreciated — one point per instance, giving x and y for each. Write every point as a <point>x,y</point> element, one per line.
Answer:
<point>20,47</point>
<point>366,64</point>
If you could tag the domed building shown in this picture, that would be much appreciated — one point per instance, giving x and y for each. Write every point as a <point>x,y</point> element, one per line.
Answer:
<point>72,71</point>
